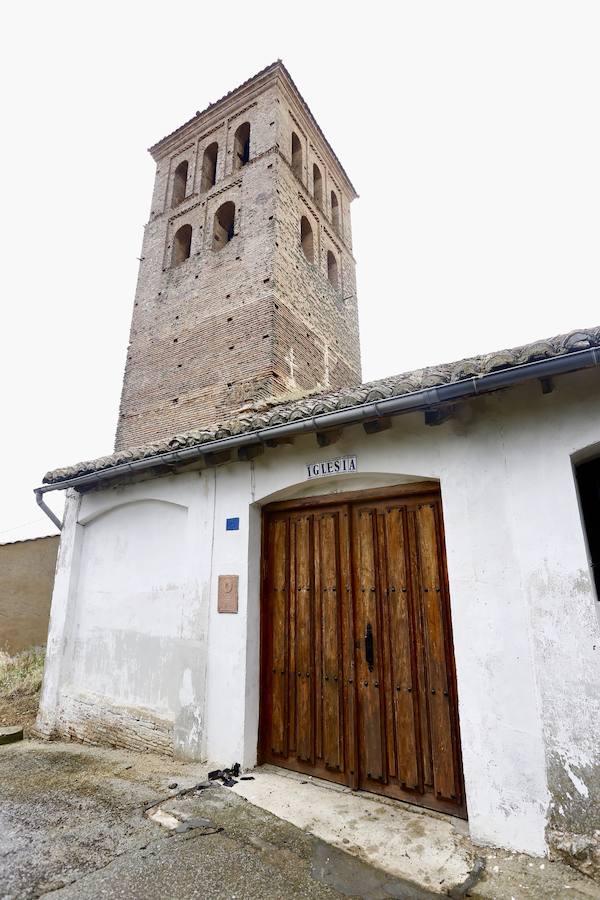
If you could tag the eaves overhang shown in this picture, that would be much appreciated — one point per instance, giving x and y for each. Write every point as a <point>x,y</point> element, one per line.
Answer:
<point>425,399</point>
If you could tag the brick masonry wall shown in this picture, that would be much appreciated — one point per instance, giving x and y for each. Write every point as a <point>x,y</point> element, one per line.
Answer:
<point>26,583</point>
<point>90,719</point>
<point>227,328</point>
<point>317,321</point>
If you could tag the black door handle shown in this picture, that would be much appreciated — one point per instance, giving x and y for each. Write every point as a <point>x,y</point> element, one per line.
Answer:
<point>369,650</point>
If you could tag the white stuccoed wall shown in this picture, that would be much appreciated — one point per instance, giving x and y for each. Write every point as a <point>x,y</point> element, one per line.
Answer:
<point>129,619</point>
<point>145,633</point>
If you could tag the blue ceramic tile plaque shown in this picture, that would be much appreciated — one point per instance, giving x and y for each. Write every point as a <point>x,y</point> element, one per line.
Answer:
<point>232,524</point>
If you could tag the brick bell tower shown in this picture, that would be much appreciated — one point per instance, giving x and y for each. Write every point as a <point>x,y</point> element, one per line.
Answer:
<point>246,289</point>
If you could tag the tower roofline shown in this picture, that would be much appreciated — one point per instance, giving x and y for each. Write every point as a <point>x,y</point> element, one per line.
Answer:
<point>158,149</point>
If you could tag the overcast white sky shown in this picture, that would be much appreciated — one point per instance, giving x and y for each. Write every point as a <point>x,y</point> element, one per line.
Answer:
<point>470,130</point>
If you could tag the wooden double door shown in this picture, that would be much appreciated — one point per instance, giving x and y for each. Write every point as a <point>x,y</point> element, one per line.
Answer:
<point>357,667</point>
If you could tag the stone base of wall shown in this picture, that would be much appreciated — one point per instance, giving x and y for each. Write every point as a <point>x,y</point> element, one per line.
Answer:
<point>580,851</point>
<point>88,718</point>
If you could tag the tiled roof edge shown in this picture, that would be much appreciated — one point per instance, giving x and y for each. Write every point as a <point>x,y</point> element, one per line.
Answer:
<point>359,395</point>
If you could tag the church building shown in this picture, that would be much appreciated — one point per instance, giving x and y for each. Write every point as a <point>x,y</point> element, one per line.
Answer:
<point>387,585</point>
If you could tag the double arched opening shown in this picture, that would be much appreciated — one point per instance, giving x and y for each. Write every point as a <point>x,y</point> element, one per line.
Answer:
<point>307,242</point>
<point>223,232</point>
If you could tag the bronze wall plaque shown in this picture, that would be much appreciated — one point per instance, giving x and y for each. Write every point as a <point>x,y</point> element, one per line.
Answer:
<point>228,593</point>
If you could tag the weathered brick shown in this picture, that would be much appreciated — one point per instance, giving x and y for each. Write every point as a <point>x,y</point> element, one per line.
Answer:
<point>253,320</point>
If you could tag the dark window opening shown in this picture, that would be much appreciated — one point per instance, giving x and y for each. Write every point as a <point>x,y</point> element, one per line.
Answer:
<point>296,156</point>
<point>588,484</point>
<point>224,225</point>
<point>306,239</point>
<point>241,146</point>
<point>332,270</point>
<point>182,245</point>
<point>317,186</point>
<point>209,167</point>
<point>179,183</point>
<point>335,211</point>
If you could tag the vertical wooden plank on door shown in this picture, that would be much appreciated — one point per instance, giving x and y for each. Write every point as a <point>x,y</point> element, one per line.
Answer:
<point>331,642</point>
<point>304,640</point>
<point>402,638</point>
<point>368,689</point>
<point>446,782</point>
<point>317,630</point>
<point>348,650</point>
<point>278,584</point>
<point>292,631</point>
<point>421,687</point>
<point>384,645</point>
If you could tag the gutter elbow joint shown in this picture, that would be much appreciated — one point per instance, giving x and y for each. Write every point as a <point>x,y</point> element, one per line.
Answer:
<point>39,497</point>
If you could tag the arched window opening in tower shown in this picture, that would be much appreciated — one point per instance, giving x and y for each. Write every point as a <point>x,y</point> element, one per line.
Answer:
<point>241,146</point>
<point>182,245</point>
<point>306,239</point>
<point>335,211</point>
<point>317,186</point>
<point>209,167</point>
<point>180,183</point>
<point>224,225</point>
<point>296,156</point>
<point>332,270</point>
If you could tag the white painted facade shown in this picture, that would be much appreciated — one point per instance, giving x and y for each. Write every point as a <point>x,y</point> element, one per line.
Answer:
<point>138,652</point>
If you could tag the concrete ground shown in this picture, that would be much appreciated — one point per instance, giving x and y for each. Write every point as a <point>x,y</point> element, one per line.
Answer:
<point>427,848</point>
<point>88,822</point>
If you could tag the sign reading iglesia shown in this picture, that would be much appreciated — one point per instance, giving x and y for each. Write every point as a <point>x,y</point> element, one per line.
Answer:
<point>332,467</point>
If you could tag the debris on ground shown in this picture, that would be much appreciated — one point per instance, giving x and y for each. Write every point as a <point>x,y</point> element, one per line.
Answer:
<point>163,818</point>
<point>459,891</point>
<point>180,826</point>
<point>194,789</point>
<point>173,785</point>
<point>228,776</point>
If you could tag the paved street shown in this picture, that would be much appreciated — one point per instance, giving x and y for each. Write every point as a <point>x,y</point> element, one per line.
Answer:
<point>72,822</point>
<point>88,822</point>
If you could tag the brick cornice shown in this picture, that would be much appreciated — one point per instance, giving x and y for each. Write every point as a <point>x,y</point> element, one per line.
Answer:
<point>227,107</point>
<point>224,108</point>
